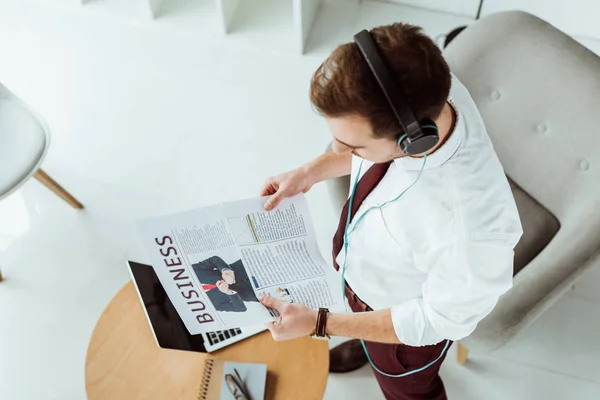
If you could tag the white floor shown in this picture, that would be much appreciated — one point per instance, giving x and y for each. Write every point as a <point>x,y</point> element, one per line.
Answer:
<point>153,117</point>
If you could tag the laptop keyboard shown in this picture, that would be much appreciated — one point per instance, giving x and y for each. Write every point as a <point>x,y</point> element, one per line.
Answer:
<point>218,336</point>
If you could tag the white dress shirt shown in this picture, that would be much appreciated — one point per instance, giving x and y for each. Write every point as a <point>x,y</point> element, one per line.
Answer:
<point>441,255</point>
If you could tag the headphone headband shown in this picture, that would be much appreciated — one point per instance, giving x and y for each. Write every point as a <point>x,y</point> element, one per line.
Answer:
<point>389,85</point>
<point>415,139</point>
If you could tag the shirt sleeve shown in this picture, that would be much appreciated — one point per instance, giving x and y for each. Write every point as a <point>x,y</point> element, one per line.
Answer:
<point>464,281</point>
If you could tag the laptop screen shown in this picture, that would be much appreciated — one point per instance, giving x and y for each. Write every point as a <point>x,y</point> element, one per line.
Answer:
<point>168,328</point>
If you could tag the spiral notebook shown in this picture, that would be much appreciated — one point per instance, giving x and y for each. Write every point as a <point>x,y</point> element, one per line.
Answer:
<point>253,379</point>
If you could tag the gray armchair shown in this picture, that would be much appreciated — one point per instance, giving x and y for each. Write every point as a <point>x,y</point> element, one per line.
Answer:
<point>538,91</point>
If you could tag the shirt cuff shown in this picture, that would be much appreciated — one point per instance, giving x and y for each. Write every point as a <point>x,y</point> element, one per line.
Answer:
<point>412,325</point>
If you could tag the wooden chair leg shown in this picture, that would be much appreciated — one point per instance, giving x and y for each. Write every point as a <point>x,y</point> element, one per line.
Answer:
<point>0,275</point>
<point>41,176</point>
<point>461,354</point>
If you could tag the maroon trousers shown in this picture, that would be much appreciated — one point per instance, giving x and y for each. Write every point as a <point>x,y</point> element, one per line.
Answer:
<point>393,359</point>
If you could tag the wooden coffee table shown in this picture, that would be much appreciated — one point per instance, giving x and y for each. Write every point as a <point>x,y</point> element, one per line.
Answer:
<point>124,362</point>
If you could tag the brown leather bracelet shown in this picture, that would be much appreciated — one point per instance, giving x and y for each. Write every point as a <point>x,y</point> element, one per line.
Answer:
<point>321,328</point>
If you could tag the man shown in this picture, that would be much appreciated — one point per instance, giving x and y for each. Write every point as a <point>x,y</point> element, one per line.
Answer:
<point>234,277</point>
<point>428,267</point>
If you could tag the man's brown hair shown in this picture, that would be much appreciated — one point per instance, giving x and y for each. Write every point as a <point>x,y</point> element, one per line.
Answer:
<point>344,85</point>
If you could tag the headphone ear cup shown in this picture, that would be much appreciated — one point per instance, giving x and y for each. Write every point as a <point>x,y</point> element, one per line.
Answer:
<point>429,128</point>
<point>421,142</point>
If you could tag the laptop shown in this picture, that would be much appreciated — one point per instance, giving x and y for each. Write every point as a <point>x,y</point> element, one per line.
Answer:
<point>166,325</point>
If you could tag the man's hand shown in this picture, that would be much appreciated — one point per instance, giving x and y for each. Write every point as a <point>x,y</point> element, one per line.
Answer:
<point>296,320</point>
<point>228,276</point>
<point>224,287</point>
<point>286,185</point>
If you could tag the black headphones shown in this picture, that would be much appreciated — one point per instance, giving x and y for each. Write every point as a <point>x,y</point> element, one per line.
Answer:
<point>415,137</point>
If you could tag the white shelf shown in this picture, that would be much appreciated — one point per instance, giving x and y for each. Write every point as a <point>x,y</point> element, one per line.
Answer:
<point>333,25</point>
<point>305,12</point>
<point>338,21</point>
<point>282,24</point>
<point>154,6</point>
<point>67,3</point>
<point>194,17</point>
<point>435,24</point>
<point>313,27</point>
<point>465,8</point>
<point>263,24</point>
<point>133,11</point>
<point>226,10</point>
<point>318,26</point>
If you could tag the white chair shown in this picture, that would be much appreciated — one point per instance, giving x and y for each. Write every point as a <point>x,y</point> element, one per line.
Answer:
<point>24,141</point>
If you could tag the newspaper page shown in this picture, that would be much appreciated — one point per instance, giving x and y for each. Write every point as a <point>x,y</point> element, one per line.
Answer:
<point>215,261</point>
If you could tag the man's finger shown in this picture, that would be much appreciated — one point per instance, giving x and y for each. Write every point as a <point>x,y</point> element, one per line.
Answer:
<point>267,188</point>
<point>271,302</point>
<point>273,201</point>
<point>270,326</point>
<point>274,328</point>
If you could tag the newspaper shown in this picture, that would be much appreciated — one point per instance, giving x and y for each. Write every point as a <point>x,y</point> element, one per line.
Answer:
<point>215,261</point>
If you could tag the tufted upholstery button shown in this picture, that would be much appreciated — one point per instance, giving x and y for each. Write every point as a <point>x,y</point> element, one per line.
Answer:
<point>584,165</point>
<point>542,128</point>
<point>495,95</point>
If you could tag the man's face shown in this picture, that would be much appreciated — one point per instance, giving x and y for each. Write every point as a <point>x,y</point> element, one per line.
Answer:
<point>353,134</point>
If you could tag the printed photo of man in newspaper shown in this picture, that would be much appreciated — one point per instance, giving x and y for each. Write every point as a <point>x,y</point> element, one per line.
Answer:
<point>227,286</point>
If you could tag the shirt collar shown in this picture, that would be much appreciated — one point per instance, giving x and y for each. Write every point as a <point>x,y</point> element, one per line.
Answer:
<point>442,154</point>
